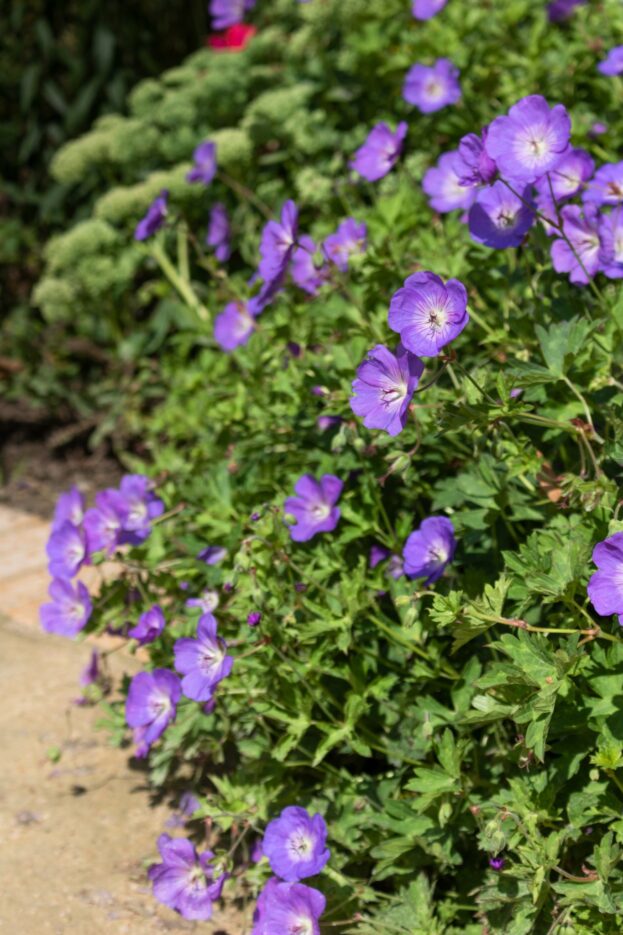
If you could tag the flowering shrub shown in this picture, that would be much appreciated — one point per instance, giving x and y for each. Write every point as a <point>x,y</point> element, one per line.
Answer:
<point>377,574</point>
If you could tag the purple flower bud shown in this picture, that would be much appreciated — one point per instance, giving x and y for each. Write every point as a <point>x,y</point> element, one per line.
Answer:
<point>319,391</point>
<point>228,587</point>
<point>212,554</point>
<point>254,517</point>
<point>496,863</point>
<point>300,587</point>
<point>90,674</point>
<point>209,706</point>
<point>294,349</point>
<point>598,128</point>
<point>254,618</point>
<point>328,422</point>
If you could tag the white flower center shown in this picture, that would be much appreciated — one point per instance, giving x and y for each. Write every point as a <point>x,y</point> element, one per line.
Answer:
<point>434,88</point>
<point>301,926</point>
<point>300,846</point>
<point>320,511</point>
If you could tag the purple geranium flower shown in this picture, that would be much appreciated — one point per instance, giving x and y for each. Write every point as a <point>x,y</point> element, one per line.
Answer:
<point>212,554</point>
<point>314,506</point>
<point>580,257</point>
<point>428,314</point>
<point>295,844</point>
<point>426,9</point>
<point>613,62</point>
<point>184,881</point>
<point>530,140</point>
<point>204,169</point>
<point>349,238</point>
<point>611,237</point>
<point>218,235</point>
<point>69,610</point>
<point>202,661</point>
<point>378,554</point>
<point>66,549</point>
<point>139,506</point>
<point>497,863</point>
<point>155,217</point>
<point>103,522</point>
<point>431,88</point>
<point>478,168</point>
<point>234,326</point>
<point>305,273</point>
<point>380,152</point>
<point>149,627</point>
<point>288,908</point>
<point>384,386</point>
<point>429,549</point>
<point>605,587</point>
<point>207,601</point>
<point>254,618</point>
<point>278,243</point>
<point>323,423</point>
<point>151,705</point>
<point>560,10</point>
<point>444,184</point>
<point>606,186</point>
<point>69,508</point>
<point>572,172</point>
<point>226,13</point>
<point>500,219</point>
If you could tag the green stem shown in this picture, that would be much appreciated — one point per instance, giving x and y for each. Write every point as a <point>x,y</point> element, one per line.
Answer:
<point>182,286</point>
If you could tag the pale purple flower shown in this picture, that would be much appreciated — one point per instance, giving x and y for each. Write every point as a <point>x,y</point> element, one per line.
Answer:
<point>305,273</point>
<point>384,387</point>
<point>613,62</point>
<point>395,567</point>
<point>66,550</point>
<point>69,508</point>
<point>69,610</point>
<point>429,88</point>
<point>605,587</point>
<point>378,554</point>
<point>103,522</point>
<point>278,243</point>
<point>428,314</point>
<point>606,186</point>
<point>323,423</point>
<point>151,705</point>
<point>234,326</point>
<point>91,672</point>
<point>288,909</point>
<point>560,10</point>
<point>149,627</point>
<point>426,9</point>
<point>581,256</point>
<point>444,184</point>
<point>530,140</point>
<point>380,152</point>
<point>226,13</point>
<point>349,239</point>
<point>204,158</point>
<point>570,175</point>
<point>202,661</point>
<point>478,168</point>
<point>212,554</point>
<point>184,881</point>
<point>611,237</point>
<point>207,601</point>
<point>155,217</point>
<point>429,549</point>
<point>314,506</point>
<point>500,219</point>
<point>254,618</point>
<point>598,128</point>
<point>218,235</point>
<point>295,844</point>
<point>497,863</point>
<point>139,507</point>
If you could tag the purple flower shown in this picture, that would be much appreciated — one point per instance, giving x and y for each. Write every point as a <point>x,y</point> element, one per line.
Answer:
<point>212,554</point>
<point>349,238</point>
<point>605,587</point>
<point>234,326</point>
<point>428,314</point>
<point>295,844</point>
<point>69,508</point>
<point>384,387</point>
<point>530,140</point>
<point>395,567</point>
<point>581,256</point>
<point>496,863</point>
<point>500,219</point>
<point>66,549</point>
<point>254,618</point>
<point>300,587</point>
<point>207,601</point>
<point>611,237</point>
<point>305,273</point>
<point>613,62</point>
<point>151,705</point>
<point>218,235</point>
<point>184,881</point>
<point>478,167</point>
<point>444,184</point>
<point>278,243</point>
<point>378,554</point>
<point>560,10</point>
<point>323,423</point>
<point>226,13</point>
<point>426,9</point>
<point>380,152</point>
<point>202,661</point>
<point>314,506</point>
<point>204,169</point>
<point>429,549</point>
<point>189,804</point>
<point>155,217</point>
<point>91,672</point>
<point>597,128</point>
<point>574,169</point>
<point>69,610</point>
<point>103,522</point>
<point>288,908</point>
<point>431,88</point>
<point>606,186</point>
<point>139,506</point>
<point>149,627</point>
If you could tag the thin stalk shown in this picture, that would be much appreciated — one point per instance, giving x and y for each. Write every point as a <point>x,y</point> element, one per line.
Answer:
<point>182,286</point>
<point>587,412</point>
<point>245,193</point>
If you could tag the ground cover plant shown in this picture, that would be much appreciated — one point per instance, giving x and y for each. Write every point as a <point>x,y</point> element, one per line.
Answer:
<point>371,554</point>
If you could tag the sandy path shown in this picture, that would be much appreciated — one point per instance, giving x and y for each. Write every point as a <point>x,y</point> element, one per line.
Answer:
<point>78,833</point>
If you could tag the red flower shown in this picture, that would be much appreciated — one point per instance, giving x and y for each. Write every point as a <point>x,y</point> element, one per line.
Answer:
<point>233,38</point>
